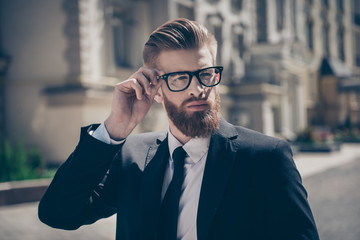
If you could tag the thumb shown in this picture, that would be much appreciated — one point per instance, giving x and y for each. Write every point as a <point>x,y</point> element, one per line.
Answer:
<point>159,80</point>
<point>156,86</point>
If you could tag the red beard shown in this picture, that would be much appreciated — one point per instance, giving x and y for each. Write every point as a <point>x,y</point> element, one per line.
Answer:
<point>194,124</point>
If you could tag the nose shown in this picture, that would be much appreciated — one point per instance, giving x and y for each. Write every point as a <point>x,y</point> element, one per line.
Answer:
<point>195,88</point>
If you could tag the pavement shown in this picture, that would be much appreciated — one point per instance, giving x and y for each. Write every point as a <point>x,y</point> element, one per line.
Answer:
<point>332,180</point>
<point>21,222</point>
<point>334,198</point>
<point>310,164</point>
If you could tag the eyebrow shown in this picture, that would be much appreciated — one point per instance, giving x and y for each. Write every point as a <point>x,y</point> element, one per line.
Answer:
<point>184,71</point>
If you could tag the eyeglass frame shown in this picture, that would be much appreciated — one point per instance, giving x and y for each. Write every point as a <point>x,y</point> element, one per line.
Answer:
<point>191,75</point>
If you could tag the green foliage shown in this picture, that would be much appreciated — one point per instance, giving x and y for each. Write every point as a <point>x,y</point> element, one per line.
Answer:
<point>348,134</point>
<point>19,163</point>
<point>306,135</point>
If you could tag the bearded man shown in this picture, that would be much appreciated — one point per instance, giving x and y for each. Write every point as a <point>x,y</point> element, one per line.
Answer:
<point>202,179</point>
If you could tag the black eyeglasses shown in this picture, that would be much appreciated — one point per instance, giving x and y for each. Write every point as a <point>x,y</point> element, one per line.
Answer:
<point>179,81</point>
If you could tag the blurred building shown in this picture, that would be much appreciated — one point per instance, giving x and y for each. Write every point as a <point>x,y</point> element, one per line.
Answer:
<point>288,63</point>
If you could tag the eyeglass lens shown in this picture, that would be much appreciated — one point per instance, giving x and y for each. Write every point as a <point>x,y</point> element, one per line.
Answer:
<point>208,77</point>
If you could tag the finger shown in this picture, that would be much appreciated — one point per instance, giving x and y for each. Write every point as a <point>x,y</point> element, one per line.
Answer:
<point>149,73</point>
<point>152,74</point>
<point>151,77</point>
<point>143,81</point>
<point>155,87</point>
<point>134,84</point>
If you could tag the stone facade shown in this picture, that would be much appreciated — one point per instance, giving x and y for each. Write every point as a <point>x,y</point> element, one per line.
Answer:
<point>67,54</point>
<point>272,52</point>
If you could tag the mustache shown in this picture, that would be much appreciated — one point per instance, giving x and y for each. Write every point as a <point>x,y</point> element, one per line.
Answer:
<point>192,99</point>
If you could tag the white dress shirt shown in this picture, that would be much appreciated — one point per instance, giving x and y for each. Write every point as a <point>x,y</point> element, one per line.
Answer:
<point>197,150</point>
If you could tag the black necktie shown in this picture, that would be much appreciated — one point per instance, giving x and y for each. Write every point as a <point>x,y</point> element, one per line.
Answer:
<point>170,204</point>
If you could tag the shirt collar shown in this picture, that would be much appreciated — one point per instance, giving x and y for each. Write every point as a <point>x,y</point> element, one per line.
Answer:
<point>196,148</point>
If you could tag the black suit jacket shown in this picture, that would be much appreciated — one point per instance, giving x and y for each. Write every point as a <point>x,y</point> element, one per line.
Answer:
<point>251,188</point>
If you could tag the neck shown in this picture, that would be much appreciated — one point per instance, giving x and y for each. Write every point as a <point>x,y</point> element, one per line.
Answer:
<point>178,134</point>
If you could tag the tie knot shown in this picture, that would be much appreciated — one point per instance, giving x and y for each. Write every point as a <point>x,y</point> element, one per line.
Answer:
<point>179,156</point>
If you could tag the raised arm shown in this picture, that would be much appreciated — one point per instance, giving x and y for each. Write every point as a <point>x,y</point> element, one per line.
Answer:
<point>85,187</point>
<point>132,100</point>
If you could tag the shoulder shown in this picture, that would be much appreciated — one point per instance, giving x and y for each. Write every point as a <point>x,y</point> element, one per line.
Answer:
<point>137,147</point>
<point>250,142</point>
<point>146,139</point>
<point>257,142</point>
<point>270,153</point>
<point>264,155</point>
<point>261,151</point>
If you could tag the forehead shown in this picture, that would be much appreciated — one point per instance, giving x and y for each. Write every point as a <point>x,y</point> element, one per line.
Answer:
<point>184,59</point>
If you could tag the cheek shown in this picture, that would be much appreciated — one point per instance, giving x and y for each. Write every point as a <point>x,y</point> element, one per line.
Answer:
<point>173,97</point>
<point>213,93</point>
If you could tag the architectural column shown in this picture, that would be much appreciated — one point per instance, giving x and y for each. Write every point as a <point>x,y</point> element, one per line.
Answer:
<point>71,32</point>
<point>285,108</point>
<point>86,34</point>
<point>268,119</point>
<point>301,103</point>
<point>92,44</point>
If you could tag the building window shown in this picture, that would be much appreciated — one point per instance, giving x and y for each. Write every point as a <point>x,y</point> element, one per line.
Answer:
<point>240,44</point>
<point>280,14</point>
<point>122,28</point>
<point>326,40</point>
<point>310,26</point>
<point>235,67</point>
<point>294,17</point>
<point>357,12</point>
<point>236,70</point>
<point>325,3</point>
<point>214,23</point>
<point>238,40</point>
<point>357,46</point>
<point>341,43</point>
<point>261,21</point>
<point>236,5</point>
<point>340,5</point>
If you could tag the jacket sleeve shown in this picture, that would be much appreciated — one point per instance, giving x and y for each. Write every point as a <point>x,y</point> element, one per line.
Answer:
<point>81,191</point>
<point>288,212</point>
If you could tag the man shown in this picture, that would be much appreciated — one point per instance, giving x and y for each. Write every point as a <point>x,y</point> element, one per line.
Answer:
<point>203,179</point>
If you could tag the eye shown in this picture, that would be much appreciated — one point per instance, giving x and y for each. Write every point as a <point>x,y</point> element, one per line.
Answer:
<point>178,77</point>
<point>182,78</point>
<point>206,74</point>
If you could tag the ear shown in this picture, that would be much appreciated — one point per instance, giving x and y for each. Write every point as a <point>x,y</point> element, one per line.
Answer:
<point>159,96</point>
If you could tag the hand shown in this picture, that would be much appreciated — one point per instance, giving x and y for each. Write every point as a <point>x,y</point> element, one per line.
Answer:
<point>132,100</point>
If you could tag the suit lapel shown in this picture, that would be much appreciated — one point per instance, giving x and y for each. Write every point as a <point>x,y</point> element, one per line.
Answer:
<point>219,165</point>
<point>150,190</point>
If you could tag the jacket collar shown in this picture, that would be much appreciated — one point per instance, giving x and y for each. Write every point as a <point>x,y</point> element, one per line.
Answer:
<point>216,174</point>
<point>151,187</point>
<point>219,165</point>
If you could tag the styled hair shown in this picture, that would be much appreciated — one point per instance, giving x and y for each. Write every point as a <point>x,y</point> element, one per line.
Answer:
<point>177,34</point>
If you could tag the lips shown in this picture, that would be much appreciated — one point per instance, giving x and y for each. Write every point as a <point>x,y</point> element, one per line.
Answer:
<point>197,106</point>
